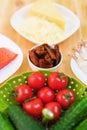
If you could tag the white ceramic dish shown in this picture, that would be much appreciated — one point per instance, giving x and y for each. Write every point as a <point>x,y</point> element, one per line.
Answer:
<point>35,68</point>
<point>72,22</point>
<point>82,76</point>
<point>12,67</point>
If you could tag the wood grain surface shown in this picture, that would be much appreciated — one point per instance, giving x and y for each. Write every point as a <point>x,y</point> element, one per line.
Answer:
<point>7,9</point>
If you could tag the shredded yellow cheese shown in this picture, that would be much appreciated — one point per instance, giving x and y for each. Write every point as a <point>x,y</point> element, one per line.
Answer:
<point>41,30</point>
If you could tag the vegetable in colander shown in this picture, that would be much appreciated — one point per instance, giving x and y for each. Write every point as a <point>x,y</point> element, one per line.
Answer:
<point>72,116</point>
<point>5,124</point>
<point>82,125</point>
<point>22,120</point>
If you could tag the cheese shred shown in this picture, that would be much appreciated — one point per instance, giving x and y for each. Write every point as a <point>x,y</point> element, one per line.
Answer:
<point>41,30</point>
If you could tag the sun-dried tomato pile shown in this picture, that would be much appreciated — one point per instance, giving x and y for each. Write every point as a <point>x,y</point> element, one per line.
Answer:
<point>44,56</point>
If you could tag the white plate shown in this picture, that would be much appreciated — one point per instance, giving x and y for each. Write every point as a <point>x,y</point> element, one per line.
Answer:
<point>72,21</point>
<point>82,76</point>
<point>13,66</point>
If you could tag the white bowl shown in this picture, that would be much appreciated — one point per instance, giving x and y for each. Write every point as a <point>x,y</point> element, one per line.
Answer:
<point>72,22</point>
<point>34,67</point>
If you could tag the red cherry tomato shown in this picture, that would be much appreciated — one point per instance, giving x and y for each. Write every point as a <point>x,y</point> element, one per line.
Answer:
<point>57,81</point>
<point>65,98</point>
<point>22,92</point>
<point>46,94</point>
<point>55,108</point>
<point>33,107</point>
<point>36,80</point>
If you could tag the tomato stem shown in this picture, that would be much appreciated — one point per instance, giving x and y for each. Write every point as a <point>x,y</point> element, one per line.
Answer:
<point>14,94</point>
<point>67,96</point>
<point>61,75</point>
<point>47,115</point>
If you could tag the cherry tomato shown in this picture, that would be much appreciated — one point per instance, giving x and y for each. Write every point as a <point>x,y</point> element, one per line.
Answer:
<point>22,92</point>
<point>46,94</point>
<point>36,80</point>
<point>57,81</point>
<point>55,108</point>
<point>65,98</point>
<point>33,107</point>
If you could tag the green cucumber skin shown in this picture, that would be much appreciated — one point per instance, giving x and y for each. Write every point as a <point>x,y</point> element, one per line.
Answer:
<point>21,120</point>
<point>72,116</point>
<point>5,123</point>
<point>82,125</point>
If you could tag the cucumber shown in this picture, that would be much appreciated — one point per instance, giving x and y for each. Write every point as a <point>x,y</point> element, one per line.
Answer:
<point>21,120</point>
<point>72,116</point>
<point>82,125</point>
<point>5,123</point>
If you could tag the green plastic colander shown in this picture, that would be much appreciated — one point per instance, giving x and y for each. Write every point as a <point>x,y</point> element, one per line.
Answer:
<point>6,89</point>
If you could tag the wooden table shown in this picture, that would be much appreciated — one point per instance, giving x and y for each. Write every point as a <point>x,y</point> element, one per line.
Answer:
<point>8,7</point>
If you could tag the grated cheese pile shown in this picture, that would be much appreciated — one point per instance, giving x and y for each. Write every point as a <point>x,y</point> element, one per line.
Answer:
<point>41,30</point>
